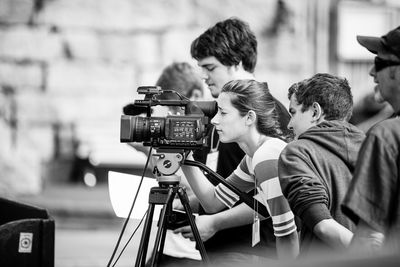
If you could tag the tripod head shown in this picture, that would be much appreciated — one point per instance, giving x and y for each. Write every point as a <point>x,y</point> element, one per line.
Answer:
<point>167,164</point>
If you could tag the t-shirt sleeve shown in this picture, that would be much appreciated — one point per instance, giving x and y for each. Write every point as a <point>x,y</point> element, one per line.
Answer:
<point>374,184</point>
<point>241,179</point>
<point>307,196</point>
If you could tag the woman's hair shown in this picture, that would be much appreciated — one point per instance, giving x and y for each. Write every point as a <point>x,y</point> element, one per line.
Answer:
<point>249,95</point>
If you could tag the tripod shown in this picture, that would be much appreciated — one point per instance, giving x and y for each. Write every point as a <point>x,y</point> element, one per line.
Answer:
<point>164,195</point>
<point>168,163</point>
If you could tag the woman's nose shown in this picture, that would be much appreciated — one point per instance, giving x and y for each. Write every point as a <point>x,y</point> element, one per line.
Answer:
<point>214,120</point>
<point>289,126</point>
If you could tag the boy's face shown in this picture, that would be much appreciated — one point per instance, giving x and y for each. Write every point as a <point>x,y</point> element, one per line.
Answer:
<point>215,74</point>
<point>300,121</point>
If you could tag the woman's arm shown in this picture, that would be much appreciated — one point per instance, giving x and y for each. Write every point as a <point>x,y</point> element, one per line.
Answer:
<point>287,247</point>
<point>208,225</point>
<point>202,188</point>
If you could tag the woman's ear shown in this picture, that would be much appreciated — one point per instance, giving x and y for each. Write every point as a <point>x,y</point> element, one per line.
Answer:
<point>251,117</point>
<point>317,112</point>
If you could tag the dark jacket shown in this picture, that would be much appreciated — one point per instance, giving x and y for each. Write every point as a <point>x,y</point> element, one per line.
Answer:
<point>315,172</point>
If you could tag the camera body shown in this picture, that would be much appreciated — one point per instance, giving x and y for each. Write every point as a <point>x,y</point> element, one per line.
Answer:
<point>189,131</point>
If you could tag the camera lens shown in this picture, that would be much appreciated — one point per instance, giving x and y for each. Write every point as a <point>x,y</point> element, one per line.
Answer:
<point>139,127</point>
<point>146,128</point>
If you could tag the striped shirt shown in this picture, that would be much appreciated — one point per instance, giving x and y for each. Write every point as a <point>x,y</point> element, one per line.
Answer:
<point>262,171</point>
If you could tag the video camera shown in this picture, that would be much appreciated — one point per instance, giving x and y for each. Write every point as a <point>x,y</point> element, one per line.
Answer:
<point>189,131</point>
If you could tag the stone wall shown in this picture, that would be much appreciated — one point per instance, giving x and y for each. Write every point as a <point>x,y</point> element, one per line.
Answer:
<point>69,66</point>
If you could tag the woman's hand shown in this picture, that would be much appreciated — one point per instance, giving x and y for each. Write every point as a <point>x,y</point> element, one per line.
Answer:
<point>205,225</point>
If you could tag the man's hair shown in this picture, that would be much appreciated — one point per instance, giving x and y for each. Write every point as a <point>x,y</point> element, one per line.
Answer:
<point>180,77</point>
<point>230,41</point>
<point>332,93</point>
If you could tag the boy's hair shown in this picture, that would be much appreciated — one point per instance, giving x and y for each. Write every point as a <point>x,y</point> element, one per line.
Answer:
<point>332,93</point>
<point>180,77</point>
<point>230,41</point>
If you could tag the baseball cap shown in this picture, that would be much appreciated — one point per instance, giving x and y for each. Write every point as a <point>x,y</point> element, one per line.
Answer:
<point>389,43</point>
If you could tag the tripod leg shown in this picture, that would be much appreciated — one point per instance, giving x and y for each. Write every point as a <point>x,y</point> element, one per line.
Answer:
<point>161,226</point>
<point>164,232</point>
<point>185,202</point>
<point>144,242</point>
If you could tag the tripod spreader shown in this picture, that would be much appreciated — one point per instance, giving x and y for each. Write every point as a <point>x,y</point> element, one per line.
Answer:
<point>248,200</point>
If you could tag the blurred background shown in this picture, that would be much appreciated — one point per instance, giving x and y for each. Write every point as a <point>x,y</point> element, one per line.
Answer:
<point>67,67</point>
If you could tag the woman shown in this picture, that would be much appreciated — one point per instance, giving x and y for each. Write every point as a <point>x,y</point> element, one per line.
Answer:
<point>246,115</point>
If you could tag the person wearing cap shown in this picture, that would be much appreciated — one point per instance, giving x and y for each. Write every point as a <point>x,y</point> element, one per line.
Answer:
<point>373,197</point>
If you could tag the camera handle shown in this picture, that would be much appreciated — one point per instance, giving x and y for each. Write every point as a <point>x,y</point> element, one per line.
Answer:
<point>248,200</point>
<point>166,166</point>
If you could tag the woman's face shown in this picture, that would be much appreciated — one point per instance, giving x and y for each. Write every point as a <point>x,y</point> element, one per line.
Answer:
<point>229,124</point>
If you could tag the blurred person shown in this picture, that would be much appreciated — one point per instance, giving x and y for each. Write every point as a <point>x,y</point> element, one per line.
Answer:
<point>315,169</point>
<point>228,51</point>
<point>185,80</point>
<point>373,198</point>
<point>247,116</point>
<point>182,78</point>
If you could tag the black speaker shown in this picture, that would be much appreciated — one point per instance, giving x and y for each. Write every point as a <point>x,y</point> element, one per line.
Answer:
<point>26,235</point>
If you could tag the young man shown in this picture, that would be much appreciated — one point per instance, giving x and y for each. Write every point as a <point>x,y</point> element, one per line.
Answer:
<point>315,170</point>
<point>225,52</point>
<point>373,198</point>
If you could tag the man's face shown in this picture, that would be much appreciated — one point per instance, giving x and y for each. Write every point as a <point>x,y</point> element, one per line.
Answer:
<point>385,84</point>
<point>215,74</point>
<point>300,121</point>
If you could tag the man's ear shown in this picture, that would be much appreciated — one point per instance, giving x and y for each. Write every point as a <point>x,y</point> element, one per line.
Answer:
<point>239,66</point>
<point>317,111</point>
<point>394,73</point>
